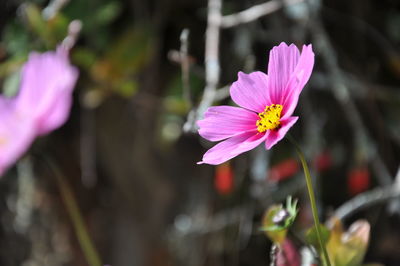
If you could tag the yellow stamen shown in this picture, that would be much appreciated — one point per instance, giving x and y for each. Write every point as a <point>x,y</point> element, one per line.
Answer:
<point>270,118</point>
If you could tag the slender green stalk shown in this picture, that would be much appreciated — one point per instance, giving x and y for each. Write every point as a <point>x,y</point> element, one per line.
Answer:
<point>312,198</point>
<point>71,205</point>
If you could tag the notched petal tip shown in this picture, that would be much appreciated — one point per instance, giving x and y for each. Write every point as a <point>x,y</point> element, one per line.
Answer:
<point>307,51</point>
<point>283,48</point>
<point>241,74</point>
<point>282,45</point>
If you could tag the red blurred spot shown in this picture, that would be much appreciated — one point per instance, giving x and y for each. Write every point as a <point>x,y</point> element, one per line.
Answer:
<point>283,170</point>
<point>323,161</point>
<point>358,180</point>
<point>223,181</point>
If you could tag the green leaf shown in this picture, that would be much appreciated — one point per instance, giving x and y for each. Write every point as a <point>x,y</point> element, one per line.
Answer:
<point>312,239</point>
<point>52,31</point>
<point>127,88</point>
<point>16,39</point>
<point>12,65</point>
<point>83,57</point>
<point>118,68</point>
<point>107,13</point>
<point>175,105</point>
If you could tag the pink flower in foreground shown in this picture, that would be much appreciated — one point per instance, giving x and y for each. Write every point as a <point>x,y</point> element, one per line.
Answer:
<point>45,94</point>
<point>266,102</point>
<point>42,104</point>
<point>16,134</point>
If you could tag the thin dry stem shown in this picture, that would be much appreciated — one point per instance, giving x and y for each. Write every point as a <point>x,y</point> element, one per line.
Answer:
<point>254,12</point>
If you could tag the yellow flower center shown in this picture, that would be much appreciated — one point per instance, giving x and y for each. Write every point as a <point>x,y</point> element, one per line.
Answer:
<point>270,118</point>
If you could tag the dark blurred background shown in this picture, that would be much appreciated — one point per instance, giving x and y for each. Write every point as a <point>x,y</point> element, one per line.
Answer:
<point>132,168</point>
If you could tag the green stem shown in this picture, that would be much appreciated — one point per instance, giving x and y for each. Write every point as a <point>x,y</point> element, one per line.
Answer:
<point>312,198</point>
<point>81,231</point>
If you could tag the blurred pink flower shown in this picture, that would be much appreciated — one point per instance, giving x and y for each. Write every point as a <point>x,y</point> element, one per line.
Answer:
<point>42,104</point>
<point>16,134</point>
<point>266,102</point>
<point>45,94</point>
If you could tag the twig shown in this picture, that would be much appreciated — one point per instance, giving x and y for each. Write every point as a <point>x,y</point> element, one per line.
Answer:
<point>367,199</point>
<point>211,63</point>
<point>53,8</point>
<point>254,12</point>
<point>74,28</point>
<point>222,93</point>
<point>185,66</point>
<point>217,222</point>
<point>394,206</point>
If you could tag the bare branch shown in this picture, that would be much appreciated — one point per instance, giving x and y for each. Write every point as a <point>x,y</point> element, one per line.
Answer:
<point>370,198</point>
<point>53,8</point>
<point>222,93</point>
<point>367,199</point>
<point>394,206</point>
<point>211,62</point>
<point>74,28</point>
<point>185,66</point>
<point>219,221</point>
<point>254,12</point>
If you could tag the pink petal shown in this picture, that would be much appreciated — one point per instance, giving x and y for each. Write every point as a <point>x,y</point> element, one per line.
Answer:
<point>298,80</point>
<point>47,83</point>
<point>222,122</point>
<point>232,147</point>
<point>250,91</point>
<point>288,254</point>
<point>276,135</point>
<point>16,135</point>
<point>282,62</point>
<point>58,116</point>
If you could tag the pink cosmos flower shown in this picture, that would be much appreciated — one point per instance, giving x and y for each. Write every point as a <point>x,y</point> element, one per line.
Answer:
<point>42,104</point>
<point>267,103</point>
<point>45,94</point>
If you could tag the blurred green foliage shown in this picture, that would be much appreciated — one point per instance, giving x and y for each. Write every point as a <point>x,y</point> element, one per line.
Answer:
<point>111,60</point>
